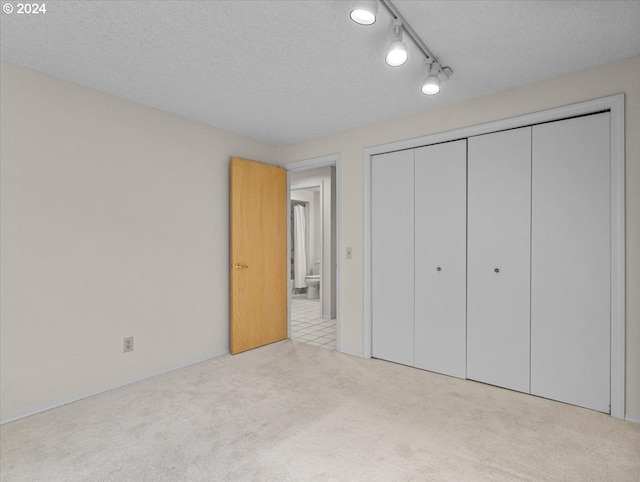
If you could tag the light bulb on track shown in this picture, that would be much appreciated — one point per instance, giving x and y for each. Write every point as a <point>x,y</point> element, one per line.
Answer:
<point>431,85</point>
<point>364,11</point>
<point>397,50</point>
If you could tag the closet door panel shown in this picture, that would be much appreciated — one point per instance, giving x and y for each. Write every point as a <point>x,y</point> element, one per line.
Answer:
<point>392,245</point>
<point>570,278</point>
<point>498,250</point>
<point>440,258</point>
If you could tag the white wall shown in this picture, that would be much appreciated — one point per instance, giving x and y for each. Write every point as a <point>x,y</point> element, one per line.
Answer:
<point>114,224</point>
<point>618,77</point>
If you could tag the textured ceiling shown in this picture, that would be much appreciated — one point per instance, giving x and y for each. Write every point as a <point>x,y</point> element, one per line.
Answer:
<point>286,71</point>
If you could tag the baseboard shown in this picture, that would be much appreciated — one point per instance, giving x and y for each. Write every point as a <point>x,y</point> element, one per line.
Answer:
<point>632,418</point>
<point>350,353</point>
<point>49,406</point>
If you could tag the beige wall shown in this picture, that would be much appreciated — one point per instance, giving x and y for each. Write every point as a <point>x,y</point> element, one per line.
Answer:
<point>114,224</point>
<point>618,77</point>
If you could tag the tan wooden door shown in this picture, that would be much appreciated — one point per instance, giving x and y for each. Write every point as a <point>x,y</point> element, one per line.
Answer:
<point>258,254</point>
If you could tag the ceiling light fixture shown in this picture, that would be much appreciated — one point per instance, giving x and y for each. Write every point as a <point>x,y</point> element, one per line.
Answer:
<point>431,84</point>
<point>397,51</point>
<point>364,11</point>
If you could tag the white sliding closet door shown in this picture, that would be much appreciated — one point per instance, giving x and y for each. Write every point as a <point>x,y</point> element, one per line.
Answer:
<point>440,257</point>
<point>570,282</point>
<point>392,242</point>
<point>498,250</point>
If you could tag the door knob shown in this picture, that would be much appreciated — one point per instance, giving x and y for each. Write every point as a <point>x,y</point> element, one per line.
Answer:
<point>239,266</point>
<point>497,270</point>
<point>438,268</point>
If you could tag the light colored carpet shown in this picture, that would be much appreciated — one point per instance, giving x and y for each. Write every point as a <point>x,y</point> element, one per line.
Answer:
<point>290,411</point>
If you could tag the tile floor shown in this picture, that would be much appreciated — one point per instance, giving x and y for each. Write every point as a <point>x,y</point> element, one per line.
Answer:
<point>308,327</point>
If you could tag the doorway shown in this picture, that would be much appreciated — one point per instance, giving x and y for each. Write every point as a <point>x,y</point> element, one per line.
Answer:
<point>313,264</point>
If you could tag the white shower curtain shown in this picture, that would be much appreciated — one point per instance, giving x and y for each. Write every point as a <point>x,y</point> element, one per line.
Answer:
<point>299,250</point>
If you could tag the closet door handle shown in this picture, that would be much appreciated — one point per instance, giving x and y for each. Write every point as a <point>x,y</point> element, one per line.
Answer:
<point>238,266</point>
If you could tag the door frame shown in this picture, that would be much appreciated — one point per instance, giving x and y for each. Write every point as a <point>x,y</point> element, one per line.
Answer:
<point>304,165</point>
<point>614,104</point>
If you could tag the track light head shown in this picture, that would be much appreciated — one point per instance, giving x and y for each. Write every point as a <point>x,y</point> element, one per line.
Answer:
<point>397,50</point>
<point>396,54</point>
<point>431,85</point>
<point>364,11</point>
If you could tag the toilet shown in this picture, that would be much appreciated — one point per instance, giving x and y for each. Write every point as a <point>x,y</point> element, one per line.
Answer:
<point>313,281</point>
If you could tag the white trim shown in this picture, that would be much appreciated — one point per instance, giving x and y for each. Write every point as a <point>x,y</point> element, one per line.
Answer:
<point>289,287</point>
<point>320,222</point>
<point>306,186</point>
<point>303,165</point>
<point>629,418</point>
<point>618,262</point>
<point>582,108</point>
<point>615,104</point>
<point>366,256</point>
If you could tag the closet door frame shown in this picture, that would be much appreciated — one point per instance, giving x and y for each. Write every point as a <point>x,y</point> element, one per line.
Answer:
<point>614,104</point>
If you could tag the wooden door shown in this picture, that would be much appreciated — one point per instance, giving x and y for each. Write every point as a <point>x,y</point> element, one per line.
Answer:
<point>258,254</point>
<point>570,265</point>
<point>440,257</point>
<point>392,256</point>
<point>498,254</point>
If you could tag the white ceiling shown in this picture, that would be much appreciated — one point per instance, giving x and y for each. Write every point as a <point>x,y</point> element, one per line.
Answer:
<point>287,71</point>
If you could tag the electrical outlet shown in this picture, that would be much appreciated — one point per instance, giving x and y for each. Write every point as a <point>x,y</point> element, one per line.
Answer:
<point>349,253</point>
<point>128,344</point>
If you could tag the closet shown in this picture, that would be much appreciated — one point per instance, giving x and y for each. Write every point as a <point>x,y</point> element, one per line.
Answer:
<point>491,259</point>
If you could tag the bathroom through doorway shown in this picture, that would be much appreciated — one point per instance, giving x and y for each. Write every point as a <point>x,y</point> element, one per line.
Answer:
<point>312,247</point>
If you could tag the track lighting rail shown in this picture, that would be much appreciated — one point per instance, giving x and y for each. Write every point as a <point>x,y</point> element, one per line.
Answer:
<point>395,14</point>
<point>364,12</point>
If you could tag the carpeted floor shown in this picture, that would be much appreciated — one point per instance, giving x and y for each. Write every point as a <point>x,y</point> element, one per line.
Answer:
<point>290,411</point>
